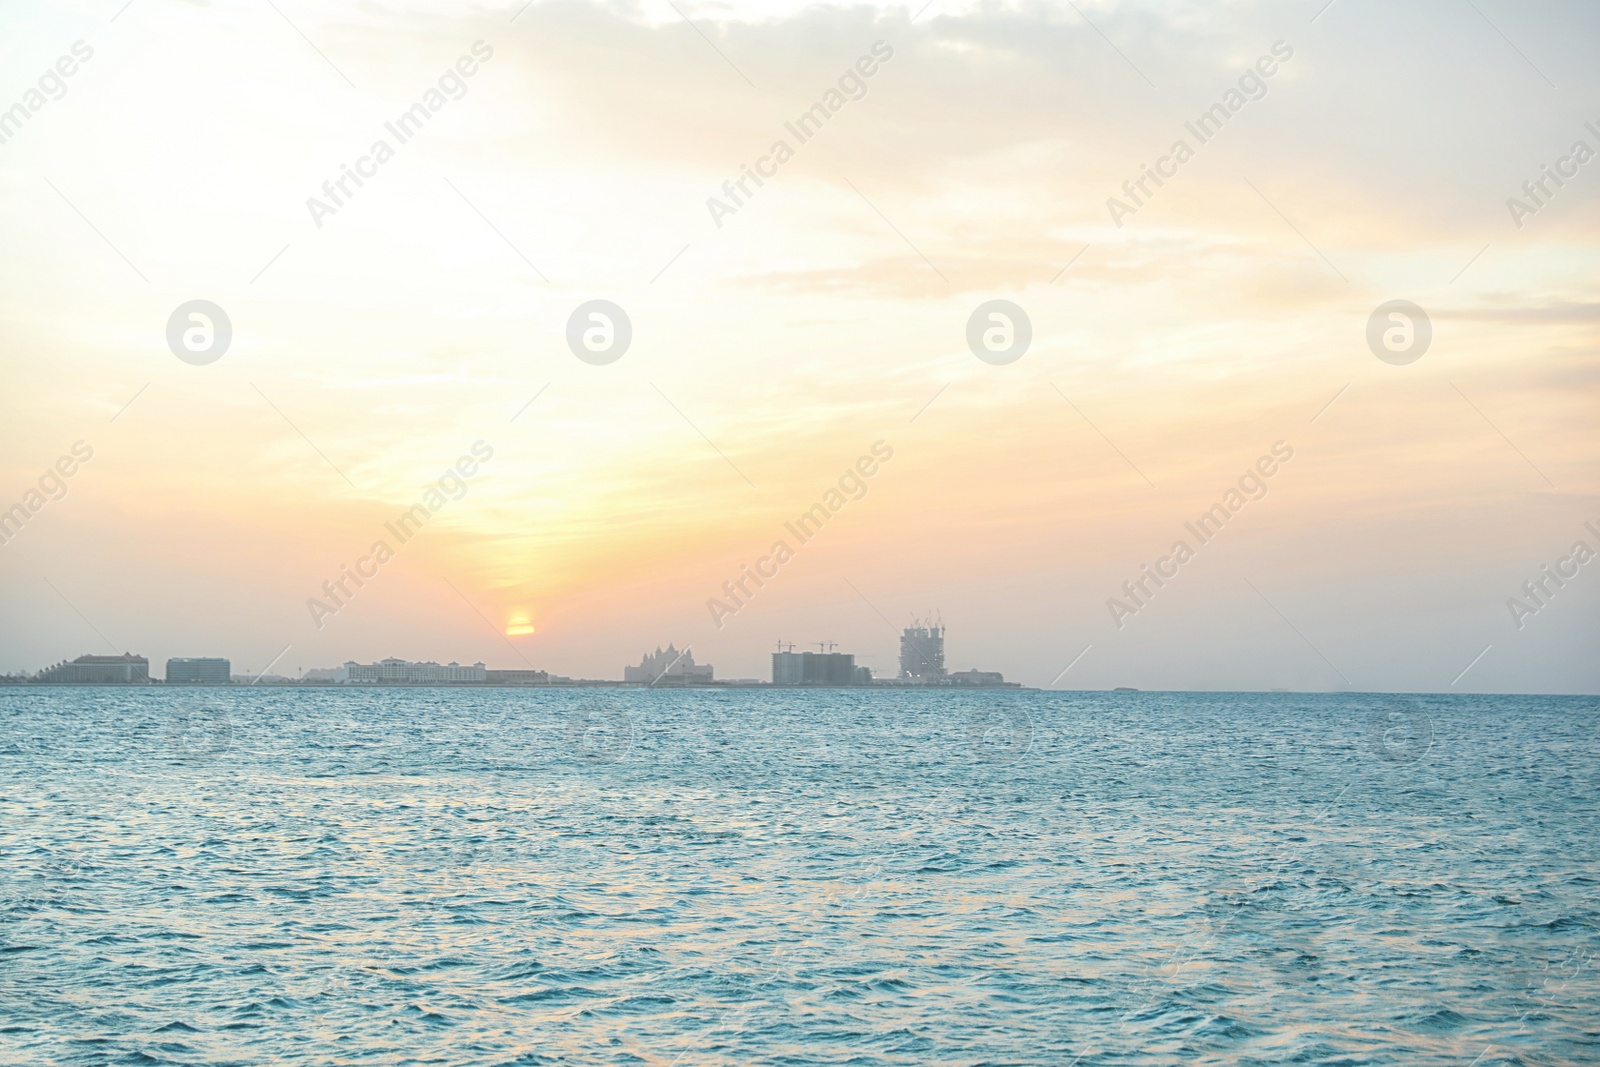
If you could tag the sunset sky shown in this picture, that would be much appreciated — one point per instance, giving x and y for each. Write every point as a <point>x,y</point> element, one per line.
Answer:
<point>772,347</point>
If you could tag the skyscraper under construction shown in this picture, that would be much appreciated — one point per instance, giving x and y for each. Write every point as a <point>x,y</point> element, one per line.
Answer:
<point>922,651</point>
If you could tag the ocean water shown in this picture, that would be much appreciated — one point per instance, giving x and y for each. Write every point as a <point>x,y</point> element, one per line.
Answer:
<point>495,877</point>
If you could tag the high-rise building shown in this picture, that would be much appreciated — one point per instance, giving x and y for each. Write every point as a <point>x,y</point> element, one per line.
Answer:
<point>828,668</point>
<point>786,667</point>
<point>669,666</point>
<point>922,652</point>
<point>199,671</point>
<point>126,669</point>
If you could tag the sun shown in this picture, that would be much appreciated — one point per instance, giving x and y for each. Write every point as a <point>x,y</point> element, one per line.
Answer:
<point>519,626</point>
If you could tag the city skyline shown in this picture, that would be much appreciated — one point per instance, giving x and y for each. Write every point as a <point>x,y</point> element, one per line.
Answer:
<point>921,662</point>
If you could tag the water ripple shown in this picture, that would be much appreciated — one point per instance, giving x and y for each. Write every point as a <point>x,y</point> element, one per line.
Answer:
<point>462,877</point>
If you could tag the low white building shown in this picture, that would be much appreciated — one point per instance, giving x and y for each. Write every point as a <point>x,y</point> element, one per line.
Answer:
<point>400,672</point>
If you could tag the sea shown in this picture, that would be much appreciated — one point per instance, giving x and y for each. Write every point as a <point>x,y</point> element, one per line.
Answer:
<point>476,876</point>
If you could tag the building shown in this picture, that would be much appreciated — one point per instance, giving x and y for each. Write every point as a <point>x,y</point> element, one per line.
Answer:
<point>671,667</point>
<point>394,671</point>
<point>518,677</point>
<point>981,680</point>
<point>922,653</point>
<point>786,667</point>
<point>818,668</point>
<point>126,669</point>
<point>199,671</point>
<point>827,668</point>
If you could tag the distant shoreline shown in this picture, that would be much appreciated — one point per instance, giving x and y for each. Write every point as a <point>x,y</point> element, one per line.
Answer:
<point>575,683</point>
<point>1009,687</point>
